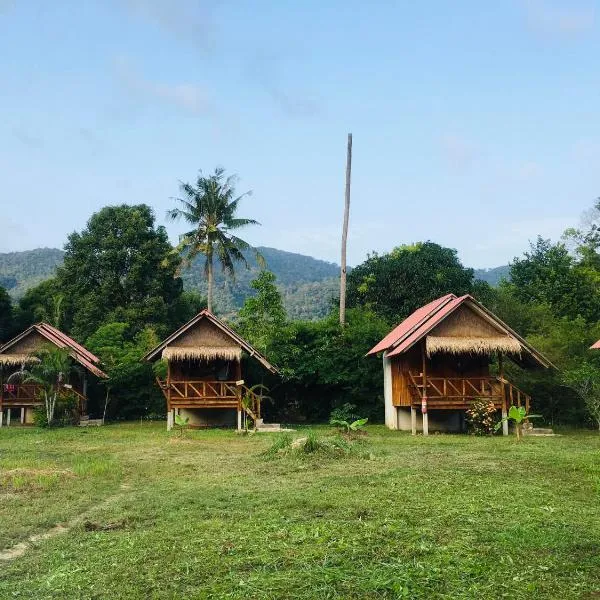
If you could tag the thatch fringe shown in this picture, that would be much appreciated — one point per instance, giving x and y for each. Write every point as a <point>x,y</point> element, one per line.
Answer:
<point>472,345</point>
<point>202,353</point>
<point>11,360</point>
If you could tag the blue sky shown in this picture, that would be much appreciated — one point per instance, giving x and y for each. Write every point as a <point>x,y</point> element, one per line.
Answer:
<point>475,123</point>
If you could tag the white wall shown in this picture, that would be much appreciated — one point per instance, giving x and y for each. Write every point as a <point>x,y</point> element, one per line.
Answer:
<point>391,419</point>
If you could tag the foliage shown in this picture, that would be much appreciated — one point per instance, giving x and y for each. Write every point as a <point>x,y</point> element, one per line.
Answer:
<point>182,424</point>
<point>6,314</point>
<point>120,268</point>
<point>130,383</point>
<point>324,366</point>
<point>517,415</point>
<point>51,373</point>
<point>481,416</point>
<point>349,426</point>
<point>585,380</point>
<point>345,412</point>
<point>210,207</point>
<point>395,284</point>
<point>549,274</point>
<point>263,315</point>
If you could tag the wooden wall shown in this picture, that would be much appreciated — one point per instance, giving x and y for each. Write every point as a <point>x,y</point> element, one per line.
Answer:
<point>439,365</point>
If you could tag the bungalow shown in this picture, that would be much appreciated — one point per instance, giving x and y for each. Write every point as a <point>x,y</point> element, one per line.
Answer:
<point>436,364</point>
<point>17,396</point>
<point>204,374</point>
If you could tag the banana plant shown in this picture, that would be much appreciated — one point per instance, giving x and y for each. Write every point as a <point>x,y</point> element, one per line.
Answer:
<point>182,424</point>
<point>517,415</point>
<point>350,427</point>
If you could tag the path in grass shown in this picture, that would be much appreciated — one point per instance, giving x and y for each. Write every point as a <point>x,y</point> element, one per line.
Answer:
<point>210,517</point>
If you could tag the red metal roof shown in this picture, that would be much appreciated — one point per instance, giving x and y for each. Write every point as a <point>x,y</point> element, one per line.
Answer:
<point>424,319</point>
<point>595,346</point>
<point>61,340</point>
<point>410,323</point>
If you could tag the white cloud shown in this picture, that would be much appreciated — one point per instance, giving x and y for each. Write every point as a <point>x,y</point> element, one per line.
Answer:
<point>189,97</point>
<point>562,18</point>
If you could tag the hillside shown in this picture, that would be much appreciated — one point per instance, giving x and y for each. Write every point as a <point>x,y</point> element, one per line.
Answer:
<point>493,276</point>
<point>307,284</point>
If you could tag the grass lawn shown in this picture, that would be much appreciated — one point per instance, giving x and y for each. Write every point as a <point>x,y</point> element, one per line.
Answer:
<point>153,516</point>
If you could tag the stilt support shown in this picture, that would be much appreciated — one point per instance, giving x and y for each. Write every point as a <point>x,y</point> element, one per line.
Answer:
<point>170,419</point>
<point>22,415</point>
<point>239,420</point>
<point>504,422</point>
<point>413,420</point>
<point>426,424</point>
<point>8,417</point>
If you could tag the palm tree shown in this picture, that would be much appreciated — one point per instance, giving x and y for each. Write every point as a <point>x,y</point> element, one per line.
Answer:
<point>50,372</point>
<point>210,207</point>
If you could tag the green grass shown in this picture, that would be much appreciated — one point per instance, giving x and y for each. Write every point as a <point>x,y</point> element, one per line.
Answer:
<point>213,515</point>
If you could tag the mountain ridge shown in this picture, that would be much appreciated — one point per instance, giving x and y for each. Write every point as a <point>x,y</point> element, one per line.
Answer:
<point>308,285</point>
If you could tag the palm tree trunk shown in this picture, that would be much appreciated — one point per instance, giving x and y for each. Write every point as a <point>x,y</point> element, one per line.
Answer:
<point>209,269</point>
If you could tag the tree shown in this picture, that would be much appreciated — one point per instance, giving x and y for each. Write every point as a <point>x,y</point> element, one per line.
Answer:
<point>6,315</point>
<point>120,268</point>
<point>130,388</point>
<point>549,274</point>
<point>394,285</point>
<point>51,373</point>
<point>263,315</point>
<point>210,206</point>
<point>585,380</point>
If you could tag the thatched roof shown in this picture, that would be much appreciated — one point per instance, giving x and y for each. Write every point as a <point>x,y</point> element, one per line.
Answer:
<point>459,325</point>
<point>472,345</point>
<point>202,353</point>
<point>11,360</point>
<point>206,337</point>
<point>28,342</point>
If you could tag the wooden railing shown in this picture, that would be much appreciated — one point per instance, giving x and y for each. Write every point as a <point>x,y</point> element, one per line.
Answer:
<point>20,394</point>
<point>460,392</point>
<point>211,394</point>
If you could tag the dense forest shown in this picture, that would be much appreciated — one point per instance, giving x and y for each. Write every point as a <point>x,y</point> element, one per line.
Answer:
<point>307,284</point>
<point>120,288</point>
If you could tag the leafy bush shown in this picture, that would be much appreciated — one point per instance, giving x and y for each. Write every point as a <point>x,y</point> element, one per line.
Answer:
<point>350,427</point>
<point>345,412</point>
<point>480,417</point>
<point>39,417</point>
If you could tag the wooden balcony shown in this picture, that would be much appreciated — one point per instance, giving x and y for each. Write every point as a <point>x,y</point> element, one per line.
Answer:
<point>210,394</point>
<point>459,393</point>
<point>20,394</point>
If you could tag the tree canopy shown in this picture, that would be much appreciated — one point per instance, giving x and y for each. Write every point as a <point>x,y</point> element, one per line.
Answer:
<point>120,268</point>
<point>395,284</point>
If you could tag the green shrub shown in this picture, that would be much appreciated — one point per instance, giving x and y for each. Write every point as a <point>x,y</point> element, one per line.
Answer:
<point>345,412</point>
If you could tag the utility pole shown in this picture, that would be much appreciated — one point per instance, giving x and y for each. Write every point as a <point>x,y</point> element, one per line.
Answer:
<point>345,233</point>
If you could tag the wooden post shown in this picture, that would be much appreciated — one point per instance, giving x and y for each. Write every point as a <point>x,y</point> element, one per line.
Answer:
<point>345,233</point>
<point>502,387</point>
<point>8,417</point>
<point>239,420</point>
<point>424,398</point>
<point>168,386</point>
<point>22,415</point>
<point>413,420</point>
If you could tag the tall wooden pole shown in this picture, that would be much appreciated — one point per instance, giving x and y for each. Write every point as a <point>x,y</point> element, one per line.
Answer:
<point>345,233</point>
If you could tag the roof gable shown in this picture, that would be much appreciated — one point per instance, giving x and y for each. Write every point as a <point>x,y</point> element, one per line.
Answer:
<point>30,340</point>
<point>186,335</point>
<point>431,316</point>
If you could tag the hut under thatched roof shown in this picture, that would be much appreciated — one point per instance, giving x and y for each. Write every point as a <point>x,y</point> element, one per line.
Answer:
<point>204,371</point>
<point>20,352</point>
<point>438,360</point>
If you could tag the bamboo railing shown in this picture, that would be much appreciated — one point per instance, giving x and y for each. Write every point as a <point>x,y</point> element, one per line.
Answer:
<point>460,392</point>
